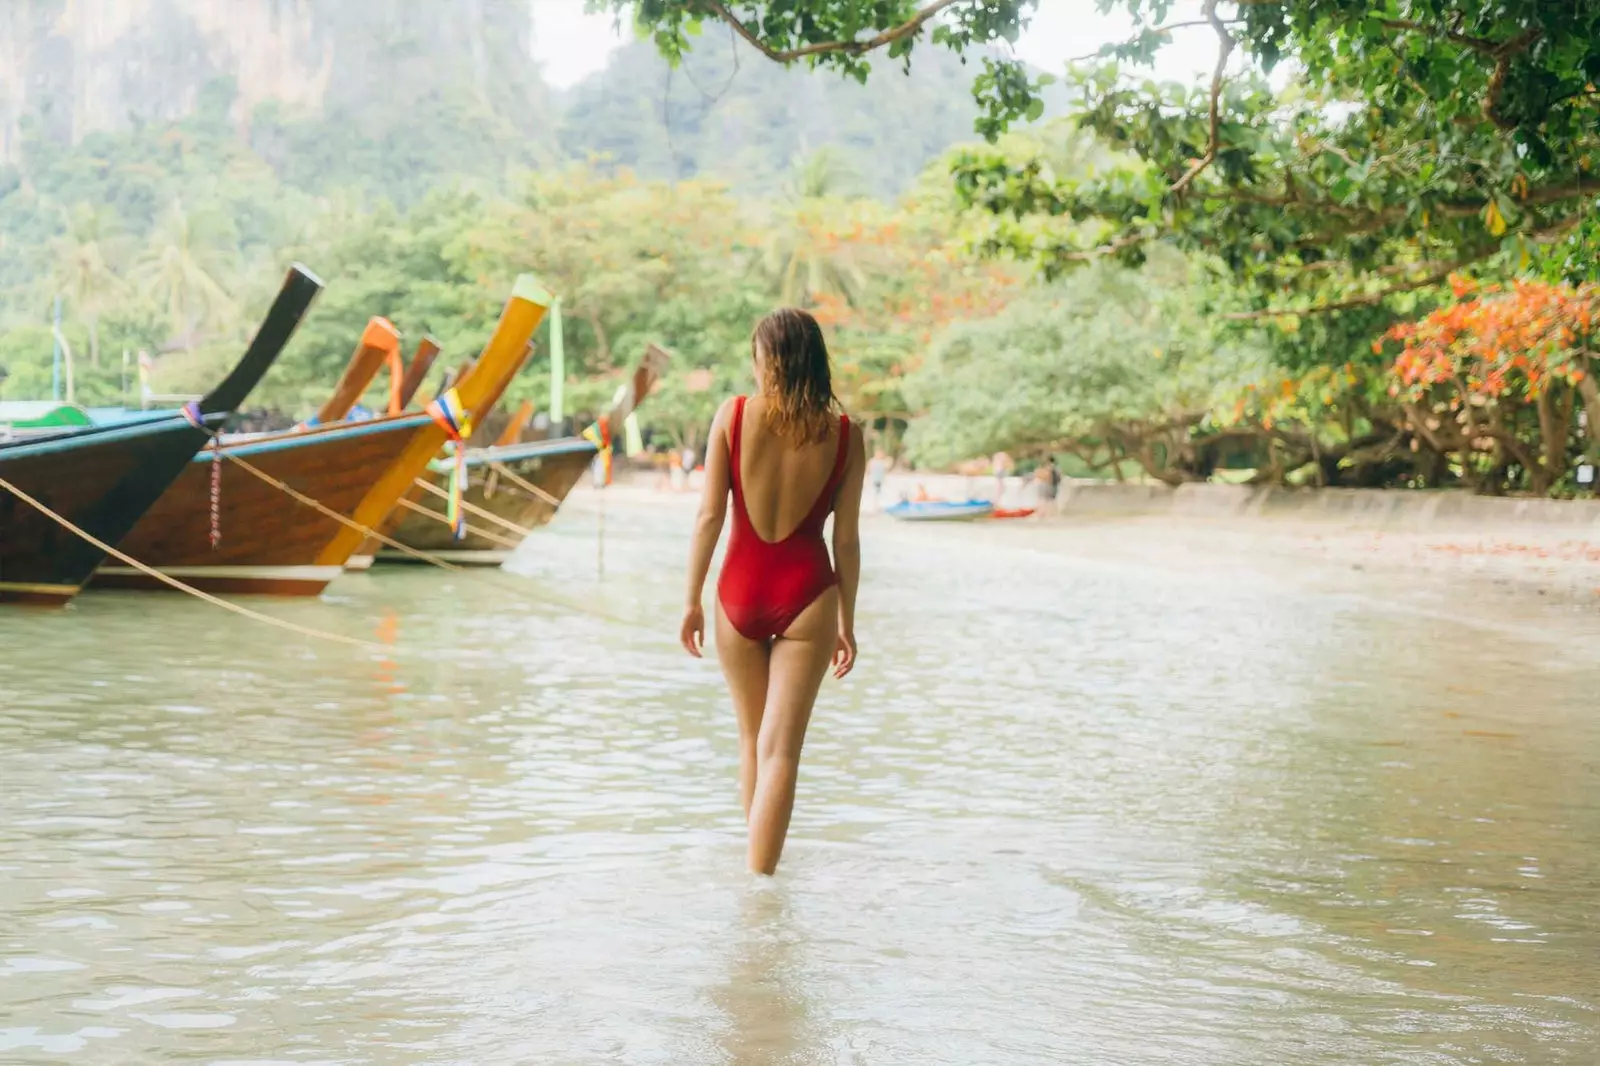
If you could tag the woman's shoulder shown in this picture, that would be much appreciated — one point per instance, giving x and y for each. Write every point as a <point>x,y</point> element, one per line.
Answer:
<point>858,439</point>
<point>726,408</point>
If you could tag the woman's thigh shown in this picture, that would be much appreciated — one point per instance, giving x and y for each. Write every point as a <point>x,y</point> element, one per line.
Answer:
<point>798,663</point>
<point>745,664</point>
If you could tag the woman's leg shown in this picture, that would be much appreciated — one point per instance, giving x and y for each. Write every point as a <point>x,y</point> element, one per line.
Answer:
<point>799,659</point>
<point>744,665</point>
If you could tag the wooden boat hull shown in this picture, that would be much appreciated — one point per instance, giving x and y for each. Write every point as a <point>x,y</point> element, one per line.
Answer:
<point>103,479</point>
<point>271,544</point>
<point>101,482</point>
<point>554,467</point>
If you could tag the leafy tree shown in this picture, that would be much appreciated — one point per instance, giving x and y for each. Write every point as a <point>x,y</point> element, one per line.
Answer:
<point>83,267</point>
<point>803,253</point>
<point>1493,381</point>
<point>186,269</point>
<point>1417,140</point>
<point>1100,366</point>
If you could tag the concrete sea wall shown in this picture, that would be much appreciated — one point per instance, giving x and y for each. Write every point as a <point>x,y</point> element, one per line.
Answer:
<point>1419,510</point>
<point>1397,508</point>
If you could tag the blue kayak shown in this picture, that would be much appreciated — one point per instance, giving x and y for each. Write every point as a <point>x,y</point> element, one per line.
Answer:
<point>940,510</point>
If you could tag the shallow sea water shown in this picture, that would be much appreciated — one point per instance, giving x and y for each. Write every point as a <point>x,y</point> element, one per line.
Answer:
<point>1066,811</point>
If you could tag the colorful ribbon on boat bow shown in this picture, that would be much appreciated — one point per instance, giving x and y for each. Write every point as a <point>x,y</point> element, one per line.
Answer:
<point>456,421</point>
<point>599,435</point>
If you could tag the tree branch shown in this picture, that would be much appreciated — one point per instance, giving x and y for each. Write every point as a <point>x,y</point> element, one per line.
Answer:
<point>1223,52</point>
<point>1500,51</point>
<point>1477,44</point>
<point>1168,28</point>
<point>1364,300</point>
<point>1089,255</point>
<point>854,48</point>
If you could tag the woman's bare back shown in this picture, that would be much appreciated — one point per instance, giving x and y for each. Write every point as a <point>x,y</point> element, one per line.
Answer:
<point>780,482</point>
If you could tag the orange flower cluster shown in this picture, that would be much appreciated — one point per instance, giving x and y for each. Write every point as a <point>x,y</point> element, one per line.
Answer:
<point>1497,341</point>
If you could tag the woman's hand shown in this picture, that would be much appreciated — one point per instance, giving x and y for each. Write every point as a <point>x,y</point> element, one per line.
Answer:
<point>844,653</point>
<point>693,633</point>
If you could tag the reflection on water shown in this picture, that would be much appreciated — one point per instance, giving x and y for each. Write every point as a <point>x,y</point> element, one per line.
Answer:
<point>1066,811</point>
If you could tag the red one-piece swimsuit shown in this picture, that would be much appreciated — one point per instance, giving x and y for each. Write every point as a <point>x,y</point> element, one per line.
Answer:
<point>765,584</point>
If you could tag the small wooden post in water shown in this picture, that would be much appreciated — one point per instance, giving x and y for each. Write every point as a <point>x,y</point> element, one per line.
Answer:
<point>600,535</point>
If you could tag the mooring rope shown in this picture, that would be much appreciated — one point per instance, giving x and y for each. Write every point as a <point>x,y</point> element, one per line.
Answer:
<point>173,582</point>
<point>526,486</point>
<point>433,560</point>
<point>472,508</point>
<point>413,505</point>
<point>345,520</point>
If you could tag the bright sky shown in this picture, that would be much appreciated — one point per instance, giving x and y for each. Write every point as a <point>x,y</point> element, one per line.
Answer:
<point>571,45</point>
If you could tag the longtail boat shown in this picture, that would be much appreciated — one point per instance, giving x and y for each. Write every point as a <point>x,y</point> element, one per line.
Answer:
<point>264,540</point>
<point>512,486</point>
<point>379,346</point>
<point>102,478</point>
<point>417,370</point>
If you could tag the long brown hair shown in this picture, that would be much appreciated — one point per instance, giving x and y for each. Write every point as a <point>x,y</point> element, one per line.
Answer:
<point>797,383</point>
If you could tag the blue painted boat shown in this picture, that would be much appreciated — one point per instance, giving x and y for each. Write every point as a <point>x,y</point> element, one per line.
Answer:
<point>939,510</point>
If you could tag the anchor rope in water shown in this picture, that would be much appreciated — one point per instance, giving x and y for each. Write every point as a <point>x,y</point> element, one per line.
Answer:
<point>167,579</point>
<point>472,508</point>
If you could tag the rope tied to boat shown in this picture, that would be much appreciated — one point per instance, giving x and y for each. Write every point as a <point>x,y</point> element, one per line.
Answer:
<point>196,418</point>
<point>430,513</point>
<point>473,509</point>
<point>344,520</point>
<point>172,582</point>
<point>453,417</point>
<point>525,485</point>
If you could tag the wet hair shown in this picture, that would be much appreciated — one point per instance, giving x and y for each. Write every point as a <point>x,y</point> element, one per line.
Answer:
<point>797,383</point>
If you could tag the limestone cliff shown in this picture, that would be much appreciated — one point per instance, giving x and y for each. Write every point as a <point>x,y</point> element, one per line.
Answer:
<point>73,67</point>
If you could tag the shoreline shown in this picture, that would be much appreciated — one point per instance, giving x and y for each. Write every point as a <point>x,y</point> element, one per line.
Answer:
<point>1533,550</point>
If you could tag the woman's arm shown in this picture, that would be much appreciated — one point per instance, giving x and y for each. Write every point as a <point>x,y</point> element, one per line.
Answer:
<point>707,531</point>
<point>847,549</point>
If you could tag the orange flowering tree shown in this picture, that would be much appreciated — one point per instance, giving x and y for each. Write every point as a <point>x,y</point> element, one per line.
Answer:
<point>1501,381</point>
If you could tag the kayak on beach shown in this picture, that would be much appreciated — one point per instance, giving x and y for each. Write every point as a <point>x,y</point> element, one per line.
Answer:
<point>939,510</point>
<point>1013,512</point>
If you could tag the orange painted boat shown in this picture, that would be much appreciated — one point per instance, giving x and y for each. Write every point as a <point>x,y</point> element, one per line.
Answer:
<point>269,542</point>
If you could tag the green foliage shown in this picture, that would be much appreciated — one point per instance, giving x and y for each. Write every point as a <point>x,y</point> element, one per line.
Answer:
<point>1109,364</point>
<point>1407,148</point>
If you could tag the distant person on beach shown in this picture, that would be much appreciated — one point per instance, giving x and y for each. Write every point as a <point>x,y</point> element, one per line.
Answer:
<point>1001,464</point>
<point>686,461</point>
<point>877,471</point>
<point>1049,476</point>
<point>783,613</point>
<point>662,461</point>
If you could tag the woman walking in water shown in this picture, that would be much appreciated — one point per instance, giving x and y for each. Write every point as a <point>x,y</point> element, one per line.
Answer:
<point>783,614</point>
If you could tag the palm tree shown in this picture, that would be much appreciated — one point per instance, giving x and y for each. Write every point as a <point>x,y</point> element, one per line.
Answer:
<point>81,266</point>
<point>802,256</point>
<point>184,269</point>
